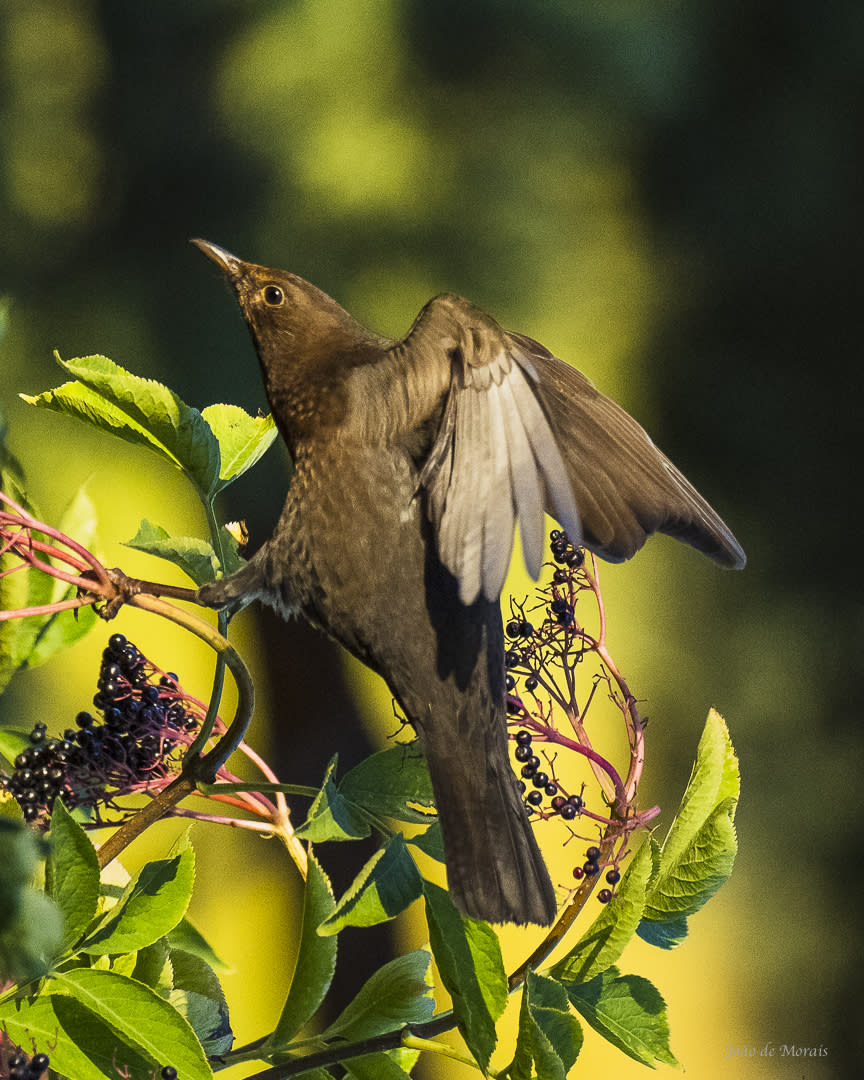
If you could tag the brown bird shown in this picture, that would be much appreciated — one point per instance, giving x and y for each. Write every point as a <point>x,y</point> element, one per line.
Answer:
<point>413,462</point>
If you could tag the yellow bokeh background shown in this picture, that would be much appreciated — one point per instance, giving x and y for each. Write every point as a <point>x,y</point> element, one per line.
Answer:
<point>390,150</point>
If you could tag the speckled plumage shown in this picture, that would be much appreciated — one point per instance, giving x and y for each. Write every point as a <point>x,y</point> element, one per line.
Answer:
<point>414,461</point>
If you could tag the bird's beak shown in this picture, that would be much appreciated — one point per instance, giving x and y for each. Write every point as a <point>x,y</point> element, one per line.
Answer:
<point>226,262</point>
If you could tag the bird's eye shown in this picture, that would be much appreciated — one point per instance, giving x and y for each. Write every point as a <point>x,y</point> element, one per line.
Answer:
<point>273,296</point>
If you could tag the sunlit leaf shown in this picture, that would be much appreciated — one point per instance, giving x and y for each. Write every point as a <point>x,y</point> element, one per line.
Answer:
<point>79,1043</point>
<point>397,993</point>
<point>604,941</point>
<point>699,851</point>
<point>151,905</point>
<point>393,783</point>
<point>198,996</point>
<point>430,841</point>
<point>72,873</point>
<point>187,937</point>
<point>140,411</point>
<point>194,556</point>
<point>550,1036</point>
<point>243,439</point>
<point>141,1018</point>
<point>628,1011</point>
<point>468,956</point>
<point>331,816</point>
<point>31,926</point>
<point>386,885</point>
<point>316,959</point>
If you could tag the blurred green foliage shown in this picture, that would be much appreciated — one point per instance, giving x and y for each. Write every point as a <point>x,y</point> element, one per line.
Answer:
<point>667,195</point>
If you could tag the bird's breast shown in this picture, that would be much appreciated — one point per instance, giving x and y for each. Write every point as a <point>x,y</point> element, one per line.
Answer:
<point>351,534</point>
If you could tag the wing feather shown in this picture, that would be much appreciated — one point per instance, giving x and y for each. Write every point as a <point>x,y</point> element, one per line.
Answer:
<point>520,432</point>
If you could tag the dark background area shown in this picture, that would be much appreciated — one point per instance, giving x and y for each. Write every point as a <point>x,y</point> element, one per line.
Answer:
<point>669,196</point>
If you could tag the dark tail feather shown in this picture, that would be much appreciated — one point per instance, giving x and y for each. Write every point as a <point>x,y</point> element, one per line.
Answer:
<point>494,867</point>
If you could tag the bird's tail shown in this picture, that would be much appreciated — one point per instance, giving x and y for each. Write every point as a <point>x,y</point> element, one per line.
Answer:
<point>495,870</point>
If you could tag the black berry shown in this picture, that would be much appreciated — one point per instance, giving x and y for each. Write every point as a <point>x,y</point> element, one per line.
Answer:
<point>613,876</point>
<point>604,896</point>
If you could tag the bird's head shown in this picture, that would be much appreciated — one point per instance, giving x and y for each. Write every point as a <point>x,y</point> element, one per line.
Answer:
<point>306,342</point>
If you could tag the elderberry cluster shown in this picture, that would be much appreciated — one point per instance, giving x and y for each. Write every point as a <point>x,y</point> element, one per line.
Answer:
<point>566,806</point>
<point>144,719</point>
<point>591,868</point>
<point>23,1067</point>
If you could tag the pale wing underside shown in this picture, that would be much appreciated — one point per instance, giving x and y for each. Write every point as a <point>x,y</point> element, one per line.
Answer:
<point>522,432</point>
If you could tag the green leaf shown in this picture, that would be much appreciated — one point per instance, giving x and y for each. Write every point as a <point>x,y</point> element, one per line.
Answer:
<point>81,1046</point>
<point>11,469</point>
<point>31,939</point>
<point>316,959</point>
<point>604,941</point>
<point>397,993</point>
<point>386,885</point>
<point>64,628</point>
<point>375,1067</point>
<point>140,1017</point>
<point>198,996</point>
<point>332,817</point>
<point>243,439</point>
<point>61,630</point>
<point>468,956</point>
<point>72,874</point>
<point>232,560</point>
<point>186,937</point>
<point>664,935</point>
<point>153,967</point>
<point>150,906</point>
<point>19,587</point>
<point>715,778</point>
<point>31,926</point>
<point>699,851</point>
<point>394,783</point>
<point>628,1011</point>
<point>430,842</point>
<point>550,1037</point>
<point>140,411</point>
<point>12,742</point>
<point>194,556</point>
<point>123,965</point>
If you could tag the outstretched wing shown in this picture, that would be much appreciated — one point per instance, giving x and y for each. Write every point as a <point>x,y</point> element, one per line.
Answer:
<point>625,487</point>
<point>522,432</point>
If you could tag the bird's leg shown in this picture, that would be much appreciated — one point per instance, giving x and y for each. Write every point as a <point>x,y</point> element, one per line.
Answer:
<point>123,588</point>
